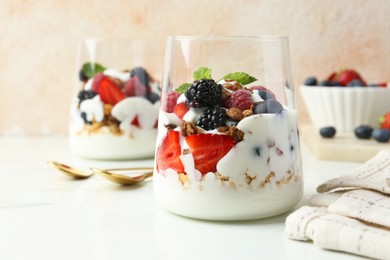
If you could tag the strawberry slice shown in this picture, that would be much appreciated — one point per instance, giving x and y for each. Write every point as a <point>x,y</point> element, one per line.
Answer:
<point>208,149</point>
<point>109,92</point>
<point>168,153</point>
<point>180,110</point>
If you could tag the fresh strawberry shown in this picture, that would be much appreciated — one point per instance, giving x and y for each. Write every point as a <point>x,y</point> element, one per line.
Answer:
<point>384,121</point>
<point>345,76</point>
<point>108,91</point>
<point>180,110</point>
<point>208,149</point>
<point>168,153</point>
<point>134,88</point>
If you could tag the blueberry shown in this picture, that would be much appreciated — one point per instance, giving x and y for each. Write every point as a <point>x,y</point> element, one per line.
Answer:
<point>311,81</point>
<point>256,151</point>
<point>328,132</point>
<point>355,83</point>
<point>329,83</point>
<point>141,74</point>
<point>265,94</point>
<point>363,132</point>
<point>270,106</point>
<point>84,117</point>
<point>381,135</point>
<point>152,97</point>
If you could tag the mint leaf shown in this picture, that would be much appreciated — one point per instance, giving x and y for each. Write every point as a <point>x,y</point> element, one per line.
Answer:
<point>202,73</point>
<point>183,87</point>
<point>91,69</point>
<point>241,77</point>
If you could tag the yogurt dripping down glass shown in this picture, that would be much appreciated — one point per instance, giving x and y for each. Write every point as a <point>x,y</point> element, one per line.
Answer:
<point>228,144</point>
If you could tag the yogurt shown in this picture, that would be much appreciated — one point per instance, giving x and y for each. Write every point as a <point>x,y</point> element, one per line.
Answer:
<point>260,176</point>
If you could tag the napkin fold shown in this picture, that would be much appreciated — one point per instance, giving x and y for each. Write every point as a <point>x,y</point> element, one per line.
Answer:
<point>353,215</point>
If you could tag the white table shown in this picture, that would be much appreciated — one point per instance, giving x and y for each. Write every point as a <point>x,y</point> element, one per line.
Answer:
<point>46,215</point>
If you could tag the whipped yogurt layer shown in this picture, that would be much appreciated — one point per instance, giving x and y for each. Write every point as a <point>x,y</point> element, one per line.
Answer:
<point>259,177</point>
<point>137,144</point>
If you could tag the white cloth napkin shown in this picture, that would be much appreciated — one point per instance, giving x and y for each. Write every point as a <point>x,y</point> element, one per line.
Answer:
<point>355,219</point>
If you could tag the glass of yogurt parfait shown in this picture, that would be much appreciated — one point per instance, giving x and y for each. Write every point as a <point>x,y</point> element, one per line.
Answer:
<point>115,107</point>
<point>228,144</point>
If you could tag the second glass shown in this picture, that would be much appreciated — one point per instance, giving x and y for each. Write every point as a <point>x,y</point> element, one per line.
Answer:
<point>228,145</point>
<point>115,109</point>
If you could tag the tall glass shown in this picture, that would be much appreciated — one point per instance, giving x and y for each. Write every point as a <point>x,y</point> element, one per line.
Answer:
<point>228,143</point>
<point>115,107</point>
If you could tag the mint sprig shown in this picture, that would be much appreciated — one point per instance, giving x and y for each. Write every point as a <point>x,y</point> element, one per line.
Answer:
<point>205,73</point>
<point>202,73</point>
<point>241,77</point>
<point>183,88</point>
<point>91,69</point>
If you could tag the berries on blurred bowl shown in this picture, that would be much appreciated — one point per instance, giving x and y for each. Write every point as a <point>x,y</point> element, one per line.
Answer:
<point>328,132</point>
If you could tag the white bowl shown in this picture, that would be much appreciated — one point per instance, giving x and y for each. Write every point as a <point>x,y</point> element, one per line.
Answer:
<point>345,108</point>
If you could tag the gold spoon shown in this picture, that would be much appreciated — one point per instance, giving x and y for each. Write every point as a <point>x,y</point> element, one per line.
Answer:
<point>114,177</point>
<point>72,172</point>
<point>124,179</point>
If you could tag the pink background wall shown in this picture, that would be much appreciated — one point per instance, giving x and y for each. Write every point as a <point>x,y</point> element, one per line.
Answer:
<point>39,41</point>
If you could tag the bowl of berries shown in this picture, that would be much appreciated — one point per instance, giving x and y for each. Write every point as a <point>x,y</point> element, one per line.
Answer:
<point>344,100</point>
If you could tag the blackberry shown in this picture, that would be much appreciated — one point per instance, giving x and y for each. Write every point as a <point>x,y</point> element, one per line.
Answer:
<point>212,118</point>
<point>86,94</point>
<point>203,93</point>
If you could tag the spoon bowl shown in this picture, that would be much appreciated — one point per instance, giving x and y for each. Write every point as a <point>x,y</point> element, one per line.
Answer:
<point>70,171</point>
<point>125,179</point>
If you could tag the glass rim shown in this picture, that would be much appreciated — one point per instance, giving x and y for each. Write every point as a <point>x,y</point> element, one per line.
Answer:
<point>119,39</point>
<point>228,37</point>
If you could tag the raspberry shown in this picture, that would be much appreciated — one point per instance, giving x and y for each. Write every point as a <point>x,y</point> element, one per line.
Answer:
<point>212,118</point>
<point>86,94</point>
<point>240,99</point>
<point>204,93</point>
<point>171,101</point>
